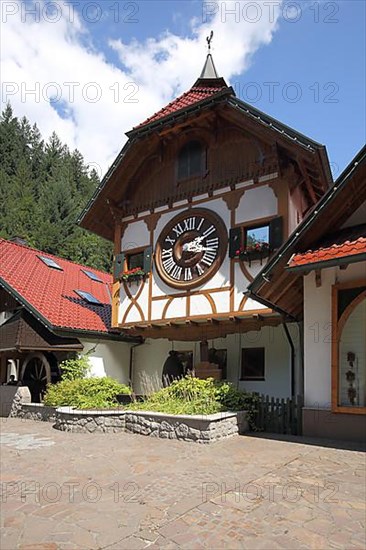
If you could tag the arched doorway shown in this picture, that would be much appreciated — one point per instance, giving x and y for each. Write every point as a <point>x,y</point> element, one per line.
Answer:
<point>36,374</point>
<point>352,354</point>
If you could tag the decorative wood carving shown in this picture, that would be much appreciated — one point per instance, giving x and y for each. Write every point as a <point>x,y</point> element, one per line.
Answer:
<point>151,221</point>
<point>232,199</point>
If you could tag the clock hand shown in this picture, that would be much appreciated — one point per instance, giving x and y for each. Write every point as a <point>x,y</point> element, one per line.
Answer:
<point>195,247</point>
<point>191,246</point>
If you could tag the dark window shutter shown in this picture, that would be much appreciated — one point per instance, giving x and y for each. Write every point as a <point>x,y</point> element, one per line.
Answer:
<point>235,241</point>
<point>190,160</point>
<point>147,259</point>
<point>275,233</point>
<point>118,265</point>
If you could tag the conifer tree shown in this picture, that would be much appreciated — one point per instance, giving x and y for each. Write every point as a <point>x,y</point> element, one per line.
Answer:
<point>43,188</point>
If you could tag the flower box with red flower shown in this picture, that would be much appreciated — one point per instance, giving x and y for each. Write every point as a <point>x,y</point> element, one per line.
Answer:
<point>253,251</point>
<point>132,275</point>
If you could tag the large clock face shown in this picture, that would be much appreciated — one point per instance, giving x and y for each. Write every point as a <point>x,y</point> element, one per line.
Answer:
<point>191,248</point>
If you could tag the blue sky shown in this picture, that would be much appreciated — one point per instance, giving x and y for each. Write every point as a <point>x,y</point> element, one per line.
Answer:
<point>306,67</point>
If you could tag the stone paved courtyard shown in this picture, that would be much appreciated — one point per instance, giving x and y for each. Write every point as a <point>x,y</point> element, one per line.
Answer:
<point>122,491</point>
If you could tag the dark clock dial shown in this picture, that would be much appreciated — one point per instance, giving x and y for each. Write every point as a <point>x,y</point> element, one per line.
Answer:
<point>191,248</point>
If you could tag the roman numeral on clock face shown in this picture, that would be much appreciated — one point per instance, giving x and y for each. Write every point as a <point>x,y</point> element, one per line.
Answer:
<point>208,231</point>
<point>169,240</point>
<point>212,243</point>
<point>188,274</point>
<point>178,229</point>
<point>208,257</point>
<point>176,272</point>
<point>189,224</point>
<point>169,264</point>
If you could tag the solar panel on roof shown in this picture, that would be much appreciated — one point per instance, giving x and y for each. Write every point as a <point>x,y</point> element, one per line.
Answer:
<point>50,262</point>
<point>92,276</point>
<point>88,297</point>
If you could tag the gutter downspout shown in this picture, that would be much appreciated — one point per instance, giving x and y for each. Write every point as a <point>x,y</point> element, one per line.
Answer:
<point>130,372</point>
<point>293,355</point>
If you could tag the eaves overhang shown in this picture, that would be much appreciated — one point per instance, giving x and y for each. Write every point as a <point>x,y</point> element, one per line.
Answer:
<point>104,181</point>
<point>306,268</point>
<point>175,117</point>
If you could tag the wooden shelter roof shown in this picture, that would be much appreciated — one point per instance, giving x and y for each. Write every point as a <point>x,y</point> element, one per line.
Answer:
<point>22,332</point>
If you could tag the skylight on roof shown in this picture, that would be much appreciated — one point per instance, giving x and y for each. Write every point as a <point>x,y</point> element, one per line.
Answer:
<point>88,297</point>
<point>92,276</point>
<point>50,262</point>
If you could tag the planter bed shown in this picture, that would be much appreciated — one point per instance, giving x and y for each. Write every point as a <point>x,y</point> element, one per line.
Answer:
<point>198,428</point>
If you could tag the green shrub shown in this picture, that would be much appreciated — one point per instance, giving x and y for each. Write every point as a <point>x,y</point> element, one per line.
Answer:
<point>73,369</point>
<point>195,396</point>
<point>85,393</point>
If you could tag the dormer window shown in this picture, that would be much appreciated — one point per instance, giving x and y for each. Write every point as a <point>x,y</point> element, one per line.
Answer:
<point>190,160</point>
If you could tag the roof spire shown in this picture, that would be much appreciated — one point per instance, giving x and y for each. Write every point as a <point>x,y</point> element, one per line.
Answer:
<point>209,77</point>
<point>209,69</point>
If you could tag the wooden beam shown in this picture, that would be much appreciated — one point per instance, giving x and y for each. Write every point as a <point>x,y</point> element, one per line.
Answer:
<point>318,278</point>
<point>306,177</point>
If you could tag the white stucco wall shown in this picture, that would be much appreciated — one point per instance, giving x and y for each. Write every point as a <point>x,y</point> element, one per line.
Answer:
<point>257,203</point>
<point>277,374</point>
<point>109,358</point>
<point>150,357</point>
<point>317,331</point>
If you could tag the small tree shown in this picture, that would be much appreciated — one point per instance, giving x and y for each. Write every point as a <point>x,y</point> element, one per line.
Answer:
<point>75,369</point>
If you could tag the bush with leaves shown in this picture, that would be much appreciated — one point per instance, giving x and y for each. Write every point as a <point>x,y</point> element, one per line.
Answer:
<point>86,393</point>
<point>73,369</point>
<point>191,395</point>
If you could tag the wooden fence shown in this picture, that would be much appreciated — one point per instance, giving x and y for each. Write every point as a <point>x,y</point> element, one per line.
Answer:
<point>282,416</point>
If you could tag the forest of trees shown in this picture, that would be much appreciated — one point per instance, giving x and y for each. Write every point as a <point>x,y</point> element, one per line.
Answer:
<point>43,189</point>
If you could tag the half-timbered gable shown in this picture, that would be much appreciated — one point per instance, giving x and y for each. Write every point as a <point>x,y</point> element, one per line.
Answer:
<point>201,196</point>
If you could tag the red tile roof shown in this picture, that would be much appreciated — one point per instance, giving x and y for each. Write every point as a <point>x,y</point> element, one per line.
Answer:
<point>333,252</point>
<point>52,292</point>
<point>194,95</point>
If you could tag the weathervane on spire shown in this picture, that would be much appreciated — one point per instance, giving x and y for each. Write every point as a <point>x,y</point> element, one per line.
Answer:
<point>209,39</point>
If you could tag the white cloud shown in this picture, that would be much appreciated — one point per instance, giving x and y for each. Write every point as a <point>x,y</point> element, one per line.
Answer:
<point>37,53</point>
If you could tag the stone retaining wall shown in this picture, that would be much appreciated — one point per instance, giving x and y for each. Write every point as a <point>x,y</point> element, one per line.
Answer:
<point>73,420</point>
<point>199,428</point>
<point>202,429</point>
<point>37,412</point>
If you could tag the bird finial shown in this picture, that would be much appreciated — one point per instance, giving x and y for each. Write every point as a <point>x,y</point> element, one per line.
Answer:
<point>209,39</point>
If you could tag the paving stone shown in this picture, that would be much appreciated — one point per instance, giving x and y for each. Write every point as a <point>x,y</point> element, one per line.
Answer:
<point>244,493</point>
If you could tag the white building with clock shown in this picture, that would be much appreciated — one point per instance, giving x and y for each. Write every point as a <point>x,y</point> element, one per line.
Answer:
<point>202,195</point>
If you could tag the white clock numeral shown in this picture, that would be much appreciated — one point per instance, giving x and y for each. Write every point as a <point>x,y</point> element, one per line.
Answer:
<point>176,272</point>
<point>208,257</point>
<point>169,240</point>
<point>167,253</point>
<point>200,270</point>
<point>208,231</point>
<point>189,224</point>
<point>200,224</point>
<point>212,243</point>
<point>178,229</point>
<point>188,274</point>
<point>169,264</point>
